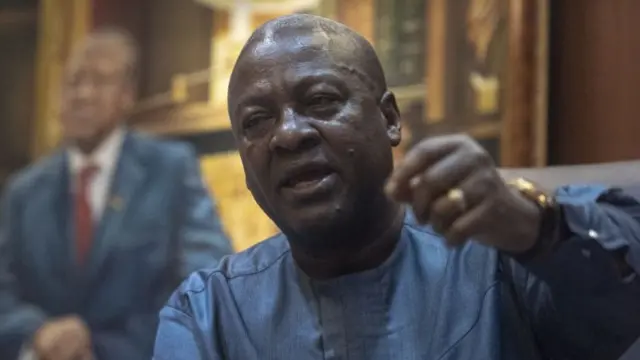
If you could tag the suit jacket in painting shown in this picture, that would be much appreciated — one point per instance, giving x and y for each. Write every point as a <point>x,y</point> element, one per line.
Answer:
<point>158,226</point>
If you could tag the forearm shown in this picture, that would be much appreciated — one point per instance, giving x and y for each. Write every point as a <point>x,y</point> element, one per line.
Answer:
<point>578,290</point>
<point>595,246</point>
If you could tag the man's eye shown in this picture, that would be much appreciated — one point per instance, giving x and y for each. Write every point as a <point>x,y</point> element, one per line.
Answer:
<point>323,100</point>
<point>255,120</point>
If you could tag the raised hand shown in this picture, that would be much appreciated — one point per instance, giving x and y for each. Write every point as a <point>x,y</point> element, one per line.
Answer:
<point>452,183</point>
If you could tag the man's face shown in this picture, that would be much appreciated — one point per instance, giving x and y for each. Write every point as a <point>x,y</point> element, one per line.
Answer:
<point>96,93</point>
<point>314,140</point>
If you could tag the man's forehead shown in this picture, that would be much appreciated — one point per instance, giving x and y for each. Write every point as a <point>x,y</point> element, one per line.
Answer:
<point>284,77</point>
<point>104,53</point>
<point>304,36</point>
<point>283,56</point>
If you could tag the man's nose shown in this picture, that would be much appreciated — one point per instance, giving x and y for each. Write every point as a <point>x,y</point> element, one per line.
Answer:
<point>294,133</point>
<point>85,90</point>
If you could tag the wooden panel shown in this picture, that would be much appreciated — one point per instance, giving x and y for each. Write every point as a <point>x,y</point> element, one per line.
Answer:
<point>179,42</point>
<point>524,121</point>
<point>17,17</point>
<point>595,72</point>
<point>18,39</point>
<point>436,60</point>
<point>490,73</point>
<point>328,9</point>
<point>60,26</point>
<point>126,14</point>
<point>178,56</point>
<point>358,15</point>
<point>413,125</point>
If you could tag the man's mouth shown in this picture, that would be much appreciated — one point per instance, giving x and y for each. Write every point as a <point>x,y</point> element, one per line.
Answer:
<point>308,181</point>
<point>305,178</point>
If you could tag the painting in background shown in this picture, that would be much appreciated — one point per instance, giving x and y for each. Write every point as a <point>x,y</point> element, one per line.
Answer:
<point>485,55</point>
<point>486,75</point>
<point>475,55</point>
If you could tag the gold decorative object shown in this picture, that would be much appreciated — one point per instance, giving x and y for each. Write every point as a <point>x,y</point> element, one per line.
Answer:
<point>483,17</point>
<point>486,94</point>
<point>116,203</point>
<point>179,88</point>
<point>532,192</point>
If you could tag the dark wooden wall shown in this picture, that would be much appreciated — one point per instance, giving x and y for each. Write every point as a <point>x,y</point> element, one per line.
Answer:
<point>18,42</point>
<point>594,99</point>
<point>179,37</point>
<point>174,36</point>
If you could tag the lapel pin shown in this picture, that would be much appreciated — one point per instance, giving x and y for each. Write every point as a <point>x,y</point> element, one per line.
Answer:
<point>116,203</point>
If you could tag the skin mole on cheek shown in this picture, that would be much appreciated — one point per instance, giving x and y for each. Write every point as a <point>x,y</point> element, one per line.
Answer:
<point>351,152</point>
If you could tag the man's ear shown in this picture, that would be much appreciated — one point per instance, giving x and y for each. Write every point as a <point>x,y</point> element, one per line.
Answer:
<point>391,115</point>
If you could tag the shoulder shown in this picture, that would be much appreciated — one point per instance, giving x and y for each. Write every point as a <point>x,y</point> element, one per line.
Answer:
<point>35,174</point>
<point>256,259</point>
<point>207,285</point>
<point>162,150</point>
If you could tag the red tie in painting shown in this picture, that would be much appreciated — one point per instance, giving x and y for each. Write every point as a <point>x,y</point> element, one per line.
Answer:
<point>83,213</point>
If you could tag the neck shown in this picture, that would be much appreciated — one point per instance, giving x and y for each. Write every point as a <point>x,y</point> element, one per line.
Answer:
<point>379,241</point>
<point>88,145</point>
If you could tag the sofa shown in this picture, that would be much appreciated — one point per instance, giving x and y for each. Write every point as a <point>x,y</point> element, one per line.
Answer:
<point>624,174</point>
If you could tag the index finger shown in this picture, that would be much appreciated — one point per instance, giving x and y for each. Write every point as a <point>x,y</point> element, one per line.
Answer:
<point>417,160</point>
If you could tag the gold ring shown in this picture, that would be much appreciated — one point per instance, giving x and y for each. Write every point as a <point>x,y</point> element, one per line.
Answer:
<point>456,195</point>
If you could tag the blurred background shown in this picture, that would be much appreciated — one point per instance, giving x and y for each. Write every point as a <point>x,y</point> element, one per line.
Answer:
<point>537,82</point>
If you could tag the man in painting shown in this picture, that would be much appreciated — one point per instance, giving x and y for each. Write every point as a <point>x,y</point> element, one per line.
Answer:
<point>94,238</point>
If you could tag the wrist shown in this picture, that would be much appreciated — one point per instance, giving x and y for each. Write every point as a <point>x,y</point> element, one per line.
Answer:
<point>544,221</point>
<point>550,231</point>
<point>529,217</point>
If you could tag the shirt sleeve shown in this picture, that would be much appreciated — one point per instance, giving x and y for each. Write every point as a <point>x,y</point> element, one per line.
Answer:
<point>187,328</point>
<point>578,302</point>
<point>176,338</point>
<point>18,318</point>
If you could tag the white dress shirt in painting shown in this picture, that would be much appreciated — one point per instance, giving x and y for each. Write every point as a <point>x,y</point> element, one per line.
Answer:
<point>105,157</point>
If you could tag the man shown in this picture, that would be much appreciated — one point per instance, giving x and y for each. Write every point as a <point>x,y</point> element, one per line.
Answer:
<point>355,274</point>
<point>95,237</point>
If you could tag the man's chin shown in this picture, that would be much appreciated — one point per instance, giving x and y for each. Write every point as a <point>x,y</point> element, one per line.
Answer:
<point>316,220</point>
<point>80,137</point>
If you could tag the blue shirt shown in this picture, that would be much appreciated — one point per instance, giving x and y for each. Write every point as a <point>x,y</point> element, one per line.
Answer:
<point>425,301</point>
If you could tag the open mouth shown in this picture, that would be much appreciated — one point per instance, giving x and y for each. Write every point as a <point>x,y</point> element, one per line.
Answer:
<point>306,177</point>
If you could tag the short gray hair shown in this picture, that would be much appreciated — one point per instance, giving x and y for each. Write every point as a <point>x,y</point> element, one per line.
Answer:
<point>122,38</point>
